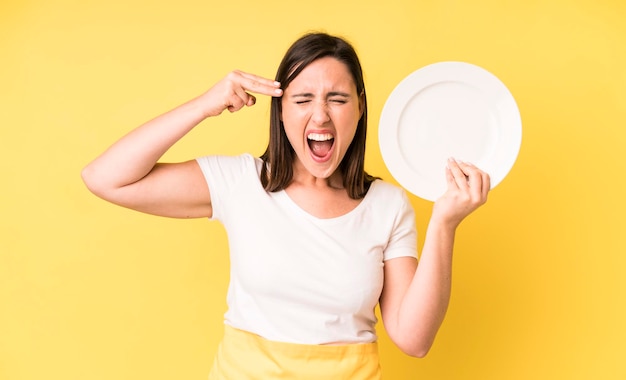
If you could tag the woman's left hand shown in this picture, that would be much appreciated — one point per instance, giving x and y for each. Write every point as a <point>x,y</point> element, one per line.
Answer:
<point>468,188</point>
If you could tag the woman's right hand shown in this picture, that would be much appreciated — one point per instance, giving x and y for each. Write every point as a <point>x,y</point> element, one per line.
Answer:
<point>233,92</point>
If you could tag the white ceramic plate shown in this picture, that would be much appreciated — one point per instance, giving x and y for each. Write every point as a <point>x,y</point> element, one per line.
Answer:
<point>448,109</point>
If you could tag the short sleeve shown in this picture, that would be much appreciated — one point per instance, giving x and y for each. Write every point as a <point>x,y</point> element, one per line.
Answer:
<point>403,239</point>
<point>223,175</point>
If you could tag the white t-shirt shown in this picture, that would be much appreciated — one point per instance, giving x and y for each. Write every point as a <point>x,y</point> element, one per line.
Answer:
<point>298,278</point>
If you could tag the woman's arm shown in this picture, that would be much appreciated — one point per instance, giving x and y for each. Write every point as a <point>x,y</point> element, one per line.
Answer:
<point>415,297</point>
<point>128,174</point>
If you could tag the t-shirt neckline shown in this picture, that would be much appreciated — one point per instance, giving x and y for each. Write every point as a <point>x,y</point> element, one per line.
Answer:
<point>293,205</point>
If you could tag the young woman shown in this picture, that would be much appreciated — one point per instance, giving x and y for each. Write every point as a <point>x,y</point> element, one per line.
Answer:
<point>315,242</point>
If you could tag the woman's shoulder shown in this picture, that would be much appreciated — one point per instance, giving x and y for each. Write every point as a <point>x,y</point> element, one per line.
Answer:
<point>229,168</point>
<point>229,161</point>
<point>387,196</point>
<point>228,157</point>
<point>382,188</point>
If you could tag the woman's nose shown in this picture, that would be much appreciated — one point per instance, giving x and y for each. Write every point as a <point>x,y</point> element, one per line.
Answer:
<point>320,113</point>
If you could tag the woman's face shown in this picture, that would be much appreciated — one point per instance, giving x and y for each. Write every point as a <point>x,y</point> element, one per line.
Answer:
<point>320,112</point>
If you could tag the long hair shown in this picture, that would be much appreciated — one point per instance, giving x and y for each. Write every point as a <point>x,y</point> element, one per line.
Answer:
<point>277,169</point>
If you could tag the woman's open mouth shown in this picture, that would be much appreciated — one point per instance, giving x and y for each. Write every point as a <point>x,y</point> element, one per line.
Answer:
<point>321,145</point>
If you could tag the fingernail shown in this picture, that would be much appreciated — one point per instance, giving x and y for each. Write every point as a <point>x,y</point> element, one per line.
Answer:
<point>278,91</point>
<point>276,83</point>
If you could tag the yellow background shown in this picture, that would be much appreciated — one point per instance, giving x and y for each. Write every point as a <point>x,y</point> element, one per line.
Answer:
<point>92,291</point>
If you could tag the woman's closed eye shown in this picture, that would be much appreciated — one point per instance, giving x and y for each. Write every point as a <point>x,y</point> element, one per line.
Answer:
<point>338,101</point>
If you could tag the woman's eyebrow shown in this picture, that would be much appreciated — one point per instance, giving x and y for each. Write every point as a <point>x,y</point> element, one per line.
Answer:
<point>339,93</point>
<point>303,95</point>
<point>310,95</point>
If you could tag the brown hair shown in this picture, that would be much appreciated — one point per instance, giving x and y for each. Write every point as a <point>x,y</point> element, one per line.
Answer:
<point>277,171</point>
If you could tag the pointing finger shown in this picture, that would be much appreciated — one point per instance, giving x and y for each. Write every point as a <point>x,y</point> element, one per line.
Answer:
<point>260,85</point>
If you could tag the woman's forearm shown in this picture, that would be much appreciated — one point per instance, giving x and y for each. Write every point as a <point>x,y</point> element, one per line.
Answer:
<point>134,155</point>
<point>426,300</point>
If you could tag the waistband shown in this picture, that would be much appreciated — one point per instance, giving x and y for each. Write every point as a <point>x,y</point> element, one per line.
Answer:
<point>301,350</point>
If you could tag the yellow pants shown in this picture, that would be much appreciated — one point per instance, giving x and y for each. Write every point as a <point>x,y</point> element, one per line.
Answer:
<point>246,356</point>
